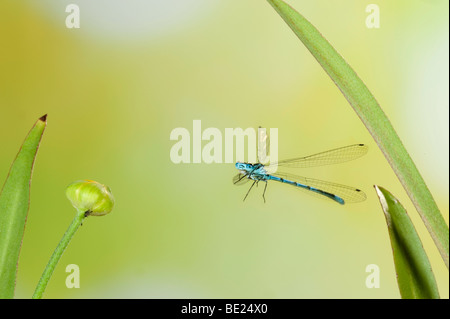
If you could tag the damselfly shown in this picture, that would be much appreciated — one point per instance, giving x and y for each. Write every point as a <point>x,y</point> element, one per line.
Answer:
<point>339,193</point>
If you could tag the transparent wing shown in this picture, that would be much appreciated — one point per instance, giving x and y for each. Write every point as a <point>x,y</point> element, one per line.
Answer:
<point>263,144</point>
<point>338,155</point>
<point>347,193</point>
<point>240,179</point>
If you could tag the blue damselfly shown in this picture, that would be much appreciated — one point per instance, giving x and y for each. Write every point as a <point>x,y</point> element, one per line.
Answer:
<point>338,193</point>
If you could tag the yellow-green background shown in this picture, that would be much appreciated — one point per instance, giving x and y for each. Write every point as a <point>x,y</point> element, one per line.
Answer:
<point>114,90</point>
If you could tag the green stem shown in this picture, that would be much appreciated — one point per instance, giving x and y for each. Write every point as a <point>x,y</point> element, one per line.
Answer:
<point>48,271</point>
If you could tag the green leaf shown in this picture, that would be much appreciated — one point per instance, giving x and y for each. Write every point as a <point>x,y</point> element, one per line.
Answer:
<point>414,275</point>
<point>376,122</point>
<point>14,204</point>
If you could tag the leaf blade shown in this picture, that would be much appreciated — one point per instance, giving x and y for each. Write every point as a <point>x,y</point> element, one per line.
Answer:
<point>414,275</point>
<point>14,205</point>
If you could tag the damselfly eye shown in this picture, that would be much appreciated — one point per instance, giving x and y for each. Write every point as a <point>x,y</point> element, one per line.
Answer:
<point>240,165</point>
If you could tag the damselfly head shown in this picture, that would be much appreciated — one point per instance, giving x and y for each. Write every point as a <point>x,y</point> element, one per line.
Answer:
<point>241,166</point>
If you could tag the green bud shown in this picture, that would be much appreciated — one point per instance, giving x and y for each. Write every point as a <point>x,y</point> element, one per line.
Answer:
<point>90,197</point>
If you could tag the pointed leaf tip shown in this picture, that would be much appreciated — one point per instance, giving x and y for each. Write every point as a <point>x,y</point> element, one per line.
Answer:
<point>14,205</point>
<point>414,275</point>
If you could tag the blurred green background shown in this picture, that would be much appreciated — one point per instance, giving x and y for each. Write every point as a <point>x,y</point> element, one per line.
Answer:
<point>114,90</point>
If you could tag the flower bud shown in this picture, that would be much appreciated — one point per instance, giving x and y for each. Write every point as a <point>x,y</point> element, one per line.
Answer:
<point>90,197</point>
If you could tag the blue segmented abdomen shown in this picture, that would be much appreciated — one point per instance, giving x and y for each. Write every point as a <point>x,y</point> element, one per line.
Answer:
<point>312,189</point>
